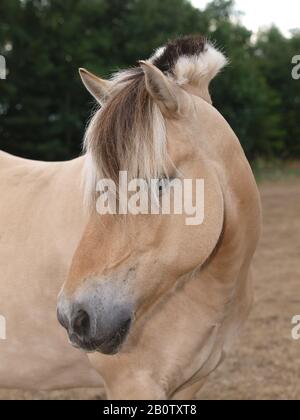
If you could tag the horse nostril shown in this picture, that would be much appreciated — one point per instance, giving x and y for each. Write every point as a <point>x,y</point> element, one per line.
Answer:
<point>81,323</point>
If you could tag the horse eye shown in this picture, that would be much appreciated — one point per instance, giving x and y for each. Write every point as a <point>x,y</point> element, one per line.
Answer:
<point>163,183</point>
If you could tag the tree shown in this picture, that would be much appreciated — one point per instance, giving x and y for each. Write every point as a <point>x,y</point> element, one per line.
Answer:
<point>274,54</point>
<point>44,108</point>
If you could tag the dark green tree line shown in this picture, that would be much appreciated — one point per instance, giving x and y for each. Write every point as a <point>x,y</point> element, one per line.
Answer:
<point>44,109</point>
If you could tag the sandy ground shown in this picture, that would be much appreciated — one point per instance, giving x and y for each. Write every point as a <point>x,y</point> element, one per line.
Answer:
<point>265,361</point>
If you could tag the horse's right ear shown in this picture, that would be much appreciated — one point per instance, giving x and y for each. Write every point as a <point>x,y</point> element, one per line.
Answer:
<point>163,91</point>
<point>100,89</point>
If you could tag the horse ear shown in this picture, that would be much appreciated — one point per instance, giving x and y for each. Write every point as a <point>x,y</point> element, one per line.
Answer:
<point>100,89</point>
<point>163,90</point>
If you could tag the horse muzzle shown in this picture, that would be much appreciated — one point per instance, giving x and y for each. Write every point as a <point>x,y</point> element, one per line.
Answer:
<point>93,325</point>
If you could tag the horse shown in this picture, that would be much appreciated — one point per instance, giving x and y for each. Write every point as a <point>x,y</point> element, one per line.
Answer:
<point>149,304</point>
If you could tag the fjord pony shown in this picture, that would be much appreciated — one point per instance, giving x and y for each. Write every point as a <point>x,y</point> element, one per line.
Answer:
<point>153,302</point>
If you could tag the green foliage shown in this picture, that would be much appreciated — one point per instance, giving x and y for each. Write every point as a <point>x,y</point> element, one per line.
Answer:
<point>44,108</point>
<point>274,55</point>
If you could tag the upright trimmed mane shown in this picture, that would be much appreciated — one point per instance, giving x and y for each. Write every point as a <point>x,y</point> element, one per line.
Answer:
<point>128,133</point>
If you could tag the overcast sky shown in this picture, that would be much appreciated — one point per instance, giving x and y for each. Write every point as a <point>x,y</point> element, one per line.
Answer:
<point>260,13</point>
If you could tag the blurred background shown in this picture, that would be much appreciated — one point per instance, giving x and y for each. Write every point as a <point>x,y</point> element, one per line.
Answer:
<point>44,110</point>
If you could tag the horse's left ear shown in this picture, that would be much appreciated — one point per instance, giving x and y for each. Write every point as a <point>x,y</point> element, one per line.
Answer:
<point>100,89</point>
<point>163,91</point>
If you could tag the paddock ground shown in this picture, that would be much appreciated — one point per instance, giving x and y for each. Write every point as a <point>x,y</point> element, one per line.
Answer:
<point>265,362</point>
